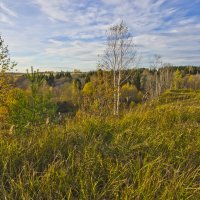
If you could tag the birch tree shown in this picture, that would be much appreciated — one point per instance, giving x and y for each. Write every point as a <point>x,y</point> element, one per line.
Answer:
<point>156,64</point>
<point>119,57</point>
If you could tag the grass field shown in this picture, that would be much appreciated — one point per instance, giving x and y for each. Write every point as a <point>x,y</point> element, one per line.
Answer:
<point>152,152</point>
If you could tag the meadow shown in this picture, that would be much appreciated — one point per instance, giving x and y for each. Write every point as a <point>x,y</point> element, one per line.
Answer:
<point>150,152</point>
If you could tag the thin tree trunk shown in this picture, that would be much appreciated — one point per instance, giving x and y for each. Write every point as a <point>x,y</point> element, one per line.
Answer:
<point>114,80</point>
<point>118,92</point>
<point>156,83</point>
<point>114,85</point>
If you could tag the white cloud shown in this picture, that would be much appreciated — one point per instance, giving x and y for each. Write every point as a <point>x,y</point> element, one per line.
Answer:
<point>5,19</point>
<point>76,50</point>
<point>112,2</point>
<point>53,9</point>
<point>6,10</point>
<point>6,14</point>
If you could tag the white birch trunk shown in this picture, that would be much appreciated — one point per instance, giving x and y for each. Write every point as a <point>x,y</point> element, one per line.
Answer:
<point>118,92</point>
<point>114,85</point>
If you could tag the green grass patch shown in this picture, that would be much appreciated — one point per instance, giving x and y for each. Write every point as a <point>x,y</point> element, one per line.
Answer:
<point>152,152</point>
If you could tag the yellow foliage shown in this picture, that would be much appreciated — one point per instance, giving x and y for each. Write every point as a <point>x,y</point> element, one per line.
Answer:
<point>7,100</point>
<point>88,88</point>
<point>129,91</point>
<point>3,112</point>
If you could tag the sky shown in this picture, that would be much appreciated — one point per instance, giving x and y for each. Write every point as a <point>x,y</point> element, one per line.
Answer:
<point>57,35</point>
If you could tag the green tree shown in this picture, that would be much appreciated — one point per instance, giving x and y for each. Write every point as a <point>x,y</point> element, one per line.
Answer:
<point>177,80</point>
<point>50,79</point>
<point>27,113</point>
<point>36,80</point>
<point>33,108</point>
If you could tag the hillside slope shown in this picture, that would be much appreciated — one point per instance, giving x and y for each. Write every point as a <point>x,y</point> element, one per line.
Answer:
<point>153,152</point>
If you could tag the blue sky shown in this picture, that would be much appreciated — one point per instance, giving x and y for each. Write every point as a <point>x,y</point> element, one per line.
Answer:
<point>69,34</point>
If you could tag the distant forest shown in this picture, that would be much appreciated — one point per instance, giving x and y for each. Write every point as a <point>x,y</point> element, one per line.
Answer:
<point>75,90</point>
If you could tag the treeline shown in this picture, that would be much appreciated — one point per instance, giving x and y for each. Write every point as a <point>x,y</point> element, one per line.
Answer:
<point>51,78</point>
<point>141,85</point>
<point>94,89</point>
